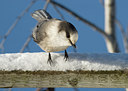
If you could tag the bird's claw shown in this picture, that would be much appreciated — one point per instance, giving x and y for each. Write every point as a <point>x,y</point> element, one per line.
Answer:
<point>66,56</point>
<point>49,59</point>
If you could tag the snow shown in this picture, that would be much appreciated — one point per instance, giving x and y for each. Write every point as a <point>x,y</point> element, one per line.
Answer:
<point>76,61</point>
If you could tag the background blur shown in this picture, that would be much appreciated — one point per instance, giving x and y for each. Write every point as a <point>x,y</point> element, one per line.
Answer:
<point>89,41</point>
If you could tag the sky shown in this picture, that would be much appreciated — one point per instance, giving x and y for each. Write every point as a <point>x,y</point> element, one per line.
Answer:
<point>89,40</point>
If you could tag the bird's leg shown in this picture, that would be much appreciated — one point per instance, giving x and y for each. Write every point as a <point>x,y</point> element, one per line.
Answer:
<point>49,59</point>
<point>66,55</point>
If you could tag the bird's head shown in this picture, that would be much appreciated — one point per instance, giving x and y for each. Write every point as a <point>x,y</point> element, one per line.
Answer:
<point>69,32</point>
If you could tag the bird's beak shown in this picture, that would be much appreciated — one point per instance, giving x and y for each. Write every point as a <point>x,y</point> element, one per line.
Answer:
<point>72,44</point>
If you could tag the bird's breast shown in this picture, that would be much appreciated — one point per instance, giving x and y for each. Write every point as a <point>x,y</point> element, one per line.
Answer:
<point>54,44</point>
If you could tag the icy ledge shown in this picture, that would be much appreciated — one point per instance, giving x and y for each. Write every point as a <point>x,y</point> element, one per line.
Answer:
<point>77,61</point>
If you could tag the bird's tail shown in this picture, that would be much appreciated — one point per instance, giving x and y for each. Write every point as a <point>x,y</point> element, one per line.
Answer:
<point>41,15</point>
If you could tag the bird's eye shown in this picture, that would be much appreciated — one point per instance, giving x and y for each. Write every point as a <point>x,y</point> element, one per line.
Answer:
<point>37,26</point>
<point>67,35</point>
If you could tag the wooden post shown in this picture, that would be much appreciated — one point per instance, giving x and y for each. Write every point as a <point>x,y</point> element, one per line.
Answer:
<point>76,79</point>
<point>81,70</point>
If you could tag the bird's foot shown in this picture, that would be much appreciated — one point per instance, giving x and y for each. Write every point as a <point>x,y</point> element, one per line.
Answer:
<point>49,59</point>
<point>66,56</point>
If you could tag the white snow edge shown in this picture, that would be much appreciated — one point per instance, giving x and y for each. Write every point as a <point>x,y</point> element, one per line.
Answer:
<point>76,61</point>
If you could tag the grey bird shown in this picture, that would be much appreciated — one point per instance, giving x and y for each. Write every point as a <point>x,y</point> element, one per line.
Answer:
<point>52,34</point>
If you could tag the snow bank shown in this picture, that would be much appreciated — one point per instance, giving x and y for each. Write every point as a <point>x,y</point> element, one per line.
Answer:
<point>77,61</point>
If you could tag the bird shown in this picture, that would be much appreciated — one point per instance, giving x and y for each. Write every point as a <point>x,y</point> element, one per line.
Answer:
<point>53,35</point>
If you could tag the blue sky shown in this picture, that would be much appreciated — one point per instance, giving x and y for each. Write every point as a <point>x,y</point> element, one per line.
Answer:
<point>89,41</point>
